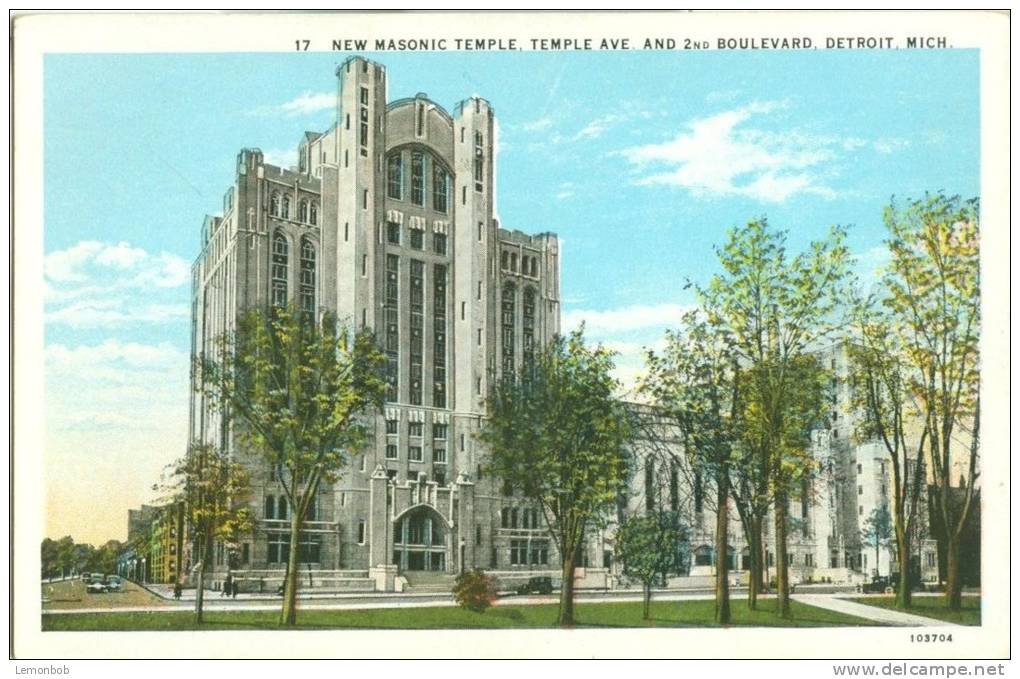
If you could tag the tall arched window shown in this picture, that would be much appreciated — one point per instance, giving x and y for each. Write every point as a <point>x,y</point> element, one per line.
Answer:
<point>307,291</point>
<point>274,204</point>
<point>509,318</point>
<point>303,211</point>
<point>285,207</point>
<point>281,507</point>
<point>270,512</point>
<point>528,329</point>
<point>279,289</point>
<point>313,213</point>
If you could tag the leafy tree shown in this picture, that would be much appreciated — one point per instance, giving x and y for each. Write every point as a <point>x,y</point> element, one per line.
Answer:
<point>212,487</point>
<point>775,309</point>
<point>474,590</point>
<point>695,383</point>
<point>104,559</point>
<point>559,437</point>
<point>881,396</point>
<point>933,294</point>
<point>877,531</point>
<point>301,392</point>
<point>649,546</point>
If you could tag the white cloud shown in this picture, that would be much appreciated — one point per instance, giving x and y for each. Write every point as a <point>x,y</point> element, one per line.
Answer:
<point>284,158</point>
<point>624,319</point>
<point>99,284</point>
<point>723,155</point>
<point>537,125</point>
<point>304,104</point>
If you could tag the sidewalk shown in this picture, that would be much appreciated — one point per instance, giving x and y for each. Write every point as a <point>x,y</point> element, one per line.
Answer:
<point>882,616</point>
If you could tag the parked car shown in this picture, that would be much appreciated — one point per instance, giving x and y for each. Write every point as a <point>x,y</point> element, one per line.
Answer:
<point>85,577</point>
<point>537,585</point>
<point>114,583</point>
<point>878,585</point>
<point>96,585</point>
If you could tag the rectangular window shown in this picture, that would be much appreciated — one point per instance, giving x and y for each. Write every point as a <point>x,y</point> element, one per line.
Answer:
<point>479,161</point>
<point>364,96</point>
<point>418,178</point>
<point>439,243</point>
<point>463,310</point>
<point>395,176</point>
<point>364,199</point>
<point>417,239</point>
<point>364,265</point>
<point>391,426</point>
<point>364,138</point>
<point>440,188</point>
<point>361,532</point>
<point>391,451</point>
<point>393,232</point>
<point>439,455</point>
<point>439,431</point>
<point>415,429</point>
<point>414,454</point>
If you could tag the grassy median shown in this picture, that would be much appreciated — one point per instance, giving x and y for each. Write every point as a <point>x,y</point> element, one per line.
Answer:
<point>501,616</point>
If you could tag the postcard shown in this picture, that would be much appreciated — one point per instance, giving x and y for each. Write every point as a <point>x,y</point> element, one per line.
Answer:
<point>516,335</point>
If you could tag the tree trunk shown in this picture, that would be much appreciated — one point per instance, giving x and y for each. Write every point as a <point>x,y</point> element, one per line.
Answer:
<point>648,599</point>
<point>755,576</point>
<point>206,546</point>
<point>954,588</point>
<point>567,590</point>
<point>903,591</point>
<point>782,575</point>
<point>722,582</point>
<point>288,615</point>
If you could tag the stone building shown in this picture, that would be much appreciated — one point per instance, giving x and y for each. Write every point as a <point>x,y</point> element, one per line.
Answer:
<point>387,221</point>
<point>828,511</point>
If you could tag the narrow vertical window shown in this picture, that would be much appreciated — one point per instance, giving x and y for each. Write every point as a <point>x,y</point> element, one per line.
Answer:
<point>417,347</point>
<point>303,211</point>
<point>418,178</point>
<point>439,243</point>
<point>439,340</point>
<point>528,330</point>
<point>307,276</point>
<point>285,207</point>
<point>279,270</point>
<point>395,176</point>
<point>509,308</point>
<point>392,332</point>
<point>274,204</point>
<point>440,187</point>
<point>479,162</point>
<point>313,213</point>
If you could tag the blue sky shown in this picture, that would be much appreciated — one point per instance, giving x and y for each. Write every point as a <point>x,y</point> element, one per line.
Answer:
<point>639,161</point>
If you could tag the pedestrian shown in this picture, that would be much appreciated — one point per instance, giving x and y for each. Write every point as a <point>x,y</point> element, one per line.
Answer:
<point>228,584</point>
<point>177,590</point>
<point>233,589</point>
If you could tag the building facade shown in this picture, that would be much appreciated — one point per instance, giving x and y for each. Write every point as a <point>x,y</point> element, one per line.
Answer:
<point>387,221</point>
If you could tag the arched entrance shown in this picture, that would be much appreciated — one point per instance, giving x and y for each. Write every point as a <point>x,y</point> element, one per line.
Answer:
<point>420,540</point>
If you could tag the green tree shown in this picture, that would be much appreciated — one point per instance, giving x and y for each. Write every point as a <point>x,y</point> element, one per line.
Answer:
<point>881,396</point>
<point>775,309</point>
<point>650,547</point>
<point>301,392</point>
<point>212,487</point>
<point>694,382</point>
<point>878,531</point>
<point>475,591</point>
<point>933,294</point>
<point>559,437</point>
<point>104,558</point>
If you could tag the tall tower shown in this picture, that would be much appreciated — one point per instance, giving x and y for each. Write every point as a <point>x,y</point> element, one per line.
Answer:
<point>475,247</point>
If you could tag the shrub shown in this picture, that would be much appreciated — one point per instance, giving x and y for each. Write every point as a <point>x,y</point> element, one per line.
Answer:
<point>474,590</point>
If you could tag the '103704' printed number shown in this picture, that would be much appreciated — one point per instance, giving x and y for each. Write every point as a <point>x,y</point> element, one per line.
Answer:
<point>930,638</point>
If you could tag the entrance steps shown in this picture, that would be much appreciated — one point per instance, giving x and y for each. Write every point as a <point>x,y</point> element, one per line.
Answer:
<point>429,581</point>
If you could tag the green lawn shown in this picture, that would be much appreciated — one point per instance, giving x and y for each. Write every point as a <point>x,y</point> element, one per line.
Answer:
<point>934,607</point>
<point>589,615</point>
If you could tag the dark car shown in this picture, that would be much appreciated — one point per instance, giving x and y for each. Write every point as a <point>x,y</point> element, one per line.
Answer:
<point>878,585</point>
<point>537,585</point>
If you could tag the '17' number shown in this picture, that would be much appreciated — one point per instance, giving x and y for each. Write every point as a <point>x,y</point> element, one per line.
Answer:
<point>302,45</point>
